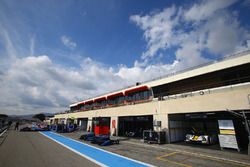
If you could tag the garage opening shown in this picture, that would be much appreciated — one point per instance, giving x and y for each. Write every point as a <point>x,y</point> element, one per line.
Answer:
<point>133,126</point>
<point>205,124</point>
<point>101,125</point>
<point>82,123</point>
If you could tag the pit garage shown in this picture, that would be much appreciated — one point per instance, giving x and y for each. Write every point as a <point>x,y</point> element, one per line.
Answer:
<point>82,123</point>
<point>133,126</point>
<point>188,127</point>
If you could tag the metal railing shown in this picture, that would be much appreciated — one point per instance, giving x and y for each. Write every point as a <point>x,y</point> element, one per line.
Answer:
<point>200,92</point>
<point>206,86</point>
<point>242,53</point>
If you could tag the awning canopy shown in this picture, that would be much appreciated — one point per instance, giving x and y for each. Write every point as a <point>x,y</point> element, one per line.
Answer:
<point>137,89</point>
<point>82,102</point>
<point>73,105</point>
<point>100,99</point>
<point>88,102</point>
<point>115,95</point>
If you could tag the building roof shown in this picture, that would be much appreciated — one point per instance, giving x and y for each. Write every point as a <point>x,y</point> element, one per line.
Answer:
<point>208,68</point>
<point>228,62</point>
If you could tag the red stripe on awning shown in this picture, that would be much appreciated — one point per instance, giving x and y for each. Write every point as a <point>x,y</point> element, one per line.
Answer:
<point>89,101</point>
<point>137,89</point>
<point>115,95</point>
<point>100,99</point>
<point>81,102</point>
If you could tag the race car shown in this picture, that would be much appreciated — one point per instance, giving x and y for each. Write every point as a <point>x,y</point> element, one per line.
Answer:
<point>34,127</point>
<point>196,136</point>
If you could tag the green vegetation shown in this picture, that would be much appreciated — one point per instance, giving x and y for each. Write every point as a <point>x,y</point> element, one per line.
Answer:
<point>39,116</point>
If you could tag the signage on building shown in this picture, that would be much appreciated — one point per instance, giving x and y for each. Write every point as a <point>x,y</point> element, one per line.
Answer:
<point>226,124</point>
<point>227,134</point>
<point>228,141</point>
<point>226,127</point>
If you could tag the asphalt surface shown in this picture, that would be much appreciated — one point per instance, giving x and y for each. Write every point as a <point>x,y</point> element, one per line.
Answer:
<point>31,149</point>
<point>172,155</point>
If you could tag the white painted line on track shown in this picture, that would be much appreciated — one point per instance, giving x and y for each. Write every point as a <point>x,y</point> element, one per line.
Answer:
<point>3,132</point>
<point>191,153</point>
<point>91,159</point>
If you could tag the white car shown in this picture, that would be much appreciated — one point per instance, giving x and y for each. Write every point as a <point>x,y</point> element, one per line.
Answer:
<point>197,137</point>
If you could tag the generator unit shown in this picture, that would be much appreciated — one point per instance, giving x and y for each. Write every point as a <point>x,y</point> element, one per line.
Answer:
<point>150,136</point>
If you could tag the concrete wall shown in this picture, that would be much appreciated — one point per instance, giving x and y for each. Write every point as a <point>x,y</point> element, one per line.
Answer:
<point>235,98</point>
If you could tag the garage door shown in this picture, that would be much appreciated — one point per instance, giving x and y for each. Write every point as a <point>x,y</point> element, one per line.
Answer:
<point>82,123</point>
<point>133,126</point>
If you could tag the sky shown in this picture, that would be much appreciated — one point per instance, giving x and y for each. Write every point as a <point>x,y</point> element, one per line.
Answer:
<point>56,52</point>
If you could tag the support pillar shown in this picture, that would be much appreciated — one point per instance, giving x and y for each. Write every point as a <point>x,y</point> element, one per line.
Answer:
<point>89,124</point>
<point>114,126</point>
<point>163,118</point>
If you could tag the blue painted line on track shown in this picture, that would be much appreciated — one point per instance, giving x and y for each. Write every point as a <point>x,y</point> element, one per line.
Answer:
<point>102,157</point>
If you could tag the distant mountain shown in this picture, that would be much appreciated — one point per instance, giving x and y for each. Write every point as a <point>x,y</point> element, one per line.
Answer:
<point>29,116</point>
<point>22,116</point>
<point>3,116</point>
<point>49,114</point>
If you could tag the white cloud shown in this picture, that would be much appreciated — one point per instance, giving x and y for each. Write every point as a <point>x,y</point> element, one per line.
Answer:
<point>32,45</point>
<point>37,84</point>
<point>140,74</point>
<point>225,34</point>
<point>9,46</point>
<point>206,9</point>
<point>158,29</point>
<point>207,26</point>
<point>67,41</point>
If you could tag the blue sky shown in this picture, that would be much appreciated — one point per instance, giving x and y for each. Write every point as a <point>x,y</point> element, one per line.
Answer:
<point>54,53</point>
